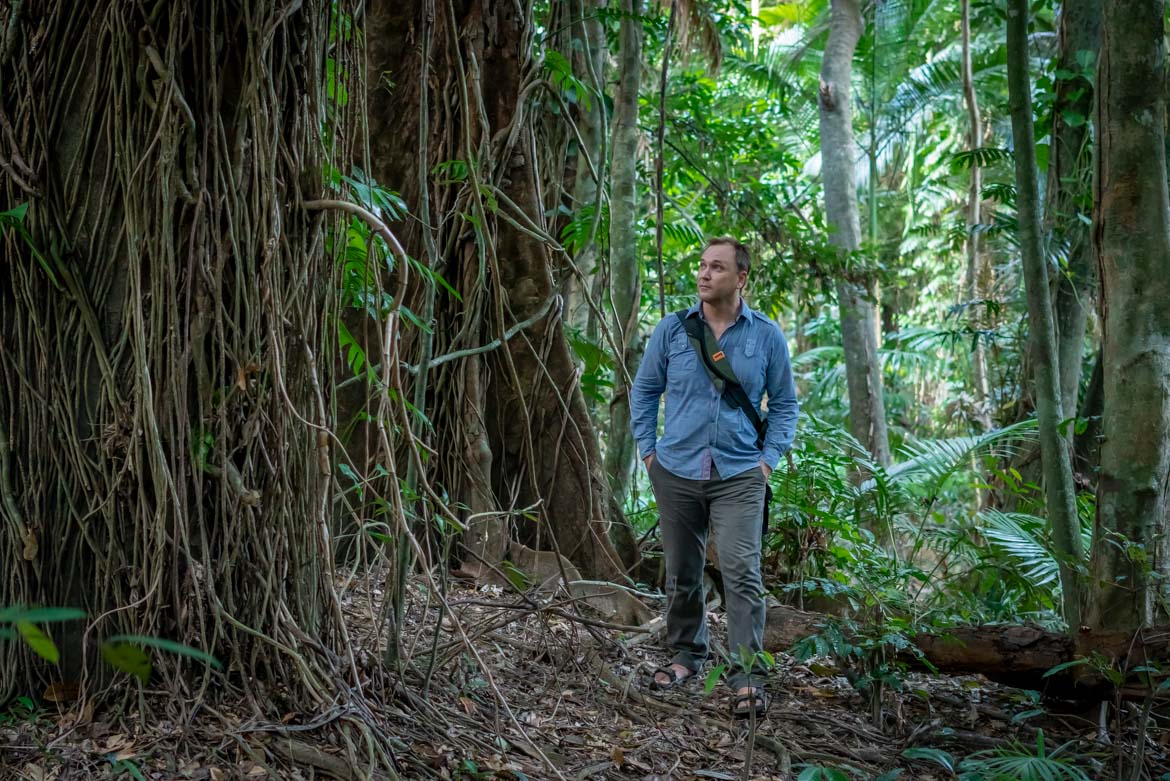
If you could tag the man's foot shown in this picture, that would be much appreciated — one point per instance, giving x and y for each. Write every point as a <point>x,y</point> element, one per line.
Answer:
<point>749,700</point>
<point>670,677</point>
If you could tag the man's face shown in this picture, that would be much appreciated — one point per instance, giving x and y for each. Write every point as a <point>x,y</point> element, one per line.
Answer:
<point>719,279</point>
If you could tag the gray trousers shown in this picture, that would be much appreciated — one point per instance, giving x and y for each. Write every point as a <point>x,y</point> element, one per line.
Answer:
<point>733,508</point>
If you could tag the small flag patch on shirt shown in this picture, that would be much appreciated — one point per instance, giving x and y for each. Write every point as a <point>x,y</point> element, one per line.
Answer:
<point>718,356</point>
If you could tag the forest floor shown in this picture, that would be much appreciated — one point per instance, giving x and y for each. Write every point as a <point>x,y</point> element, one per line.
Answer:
<point>553,696</point>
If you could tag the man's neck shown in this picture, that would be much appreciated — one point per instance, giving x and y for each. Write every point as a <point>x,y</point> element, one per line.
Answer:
<point>721,312</point>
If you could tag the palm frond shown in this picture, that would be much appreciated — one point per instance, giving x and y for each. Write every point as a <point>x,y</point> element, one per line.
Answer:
<point>771,81</point>
<point>930,463</point>
<point>982,157</point>
<point>818,354</point>
<point>1022,538</point>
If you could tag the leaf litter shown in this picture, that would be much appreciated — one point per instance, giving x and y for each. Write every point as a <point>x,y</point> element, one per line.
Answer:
<point>565,699</point>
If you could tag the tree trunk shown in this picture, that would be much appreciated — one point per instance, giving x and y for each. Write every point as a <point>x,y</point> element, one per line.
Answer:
<point>855,292</point>
<point>1069,182</point>
<point>1054,454</point>
<point>533,435</point>
<point>165,460</point>
<point>1133,249</point>
<point>588,57</point>
<point>625,262</point>
<point>1012,654</point>
<point>974,290</point>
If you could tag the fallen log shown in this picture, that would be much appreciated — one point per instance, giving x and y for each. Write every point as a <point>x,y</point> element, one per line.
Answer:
<point>1013,654</point>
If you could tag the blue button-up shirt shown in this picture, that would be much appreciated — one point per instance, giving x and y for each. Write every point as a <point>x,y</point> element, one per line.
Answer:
<point>701,429</point>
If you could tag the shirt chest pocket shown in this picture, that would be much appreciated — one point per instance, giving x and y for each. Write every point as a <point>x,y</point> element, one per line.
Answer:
<point>749,367</point>
<point>682,364</point>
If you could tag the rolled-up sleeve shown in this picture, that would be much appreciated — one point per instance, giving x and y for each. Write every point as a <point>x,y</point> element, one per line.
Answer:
<point>782,405</point>
<point>649,385</point>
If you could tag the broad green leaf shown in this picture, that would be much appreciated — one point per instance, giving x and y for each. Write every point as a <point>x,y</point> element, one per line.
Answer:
<point>38,641</point>
<point>125,765</point>
<point>40,615</point>
<point>168,645</point>
<point>16,213</point>
<point>713,678</point>
<point>938,756</point>
<point>817,773</point>
<point>128,659</point>
<point>1064,666</point>
<point>515,576</point>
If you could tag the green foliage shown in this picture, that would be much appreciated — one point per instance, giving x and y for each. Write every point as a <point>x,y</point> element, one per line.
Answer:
<point>22,710</point>
<point>821,773</point>
<point>13,219</point>
<point>597,371</point>
<point>18,621</point>
<point>1025,539</point>
<point>119,651</point>
<point>560,73</point>
<point>1023,763</point>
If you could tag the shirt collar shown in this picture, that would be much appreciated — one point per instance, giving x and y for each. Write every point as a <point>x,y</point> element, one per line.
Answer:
<point>745,311</point>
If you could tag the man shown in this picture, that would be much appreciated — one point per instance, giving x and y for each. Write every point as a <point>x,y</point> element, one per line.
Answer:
<point>707,470</point>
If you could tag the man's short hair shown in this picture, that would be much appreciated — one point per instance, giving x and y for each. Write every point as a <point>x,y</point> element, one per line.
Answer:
<point>743,259</point>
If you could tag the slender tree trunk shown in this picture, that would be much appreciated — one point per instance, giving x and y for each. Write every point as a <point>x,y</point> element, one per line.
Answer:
<point>1058,483</point>
<point>625,262</point>
<point>974,292</point>
<point>1069,183</point>
<point>588,58</point>
<point>855,294</point>
<point>1133,248</point>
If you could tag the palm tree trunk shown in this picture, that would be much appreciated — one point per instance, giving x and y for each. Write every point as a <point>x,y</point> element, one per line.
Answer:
<point>1058,483</point>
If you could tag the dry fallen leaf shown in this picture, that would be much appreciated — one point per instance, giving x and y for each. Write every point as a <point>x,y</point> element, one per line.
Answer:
<point>31,546</point>
<point>618,756</point>
<point>115,743</point>
<point>62,691</point>
<point>34,772</point>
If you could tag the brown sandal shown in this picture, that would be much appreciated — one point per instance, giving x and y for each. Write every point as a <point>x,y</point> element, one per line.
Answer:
<point>743,706</point>
<point>676,679</point>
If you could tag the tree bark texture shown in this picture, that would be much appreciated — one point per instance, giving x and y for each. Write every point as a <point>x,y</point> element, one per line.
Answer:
<point>855,293</point>
<point>1012,654</point>
<point>975,290</point>
<point>530,451</point>
<point>1054,449</point>
<point>588,57</point>
<point>1069,191</point>
<point>625,261</point>
<point>1133,249</point>
<point>167,335</point>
